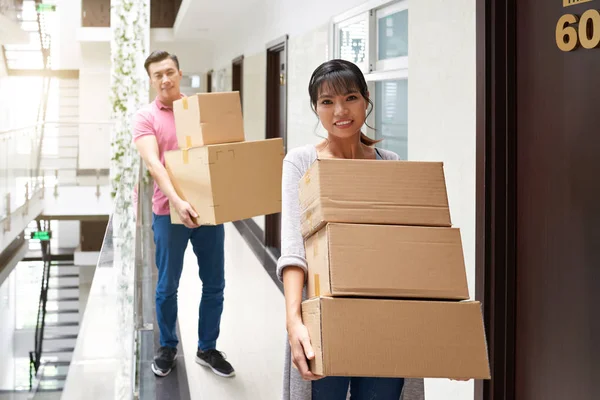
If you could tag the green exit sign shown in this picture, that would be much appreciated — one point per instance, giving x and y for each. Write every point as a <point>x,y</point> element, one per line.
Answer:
<point>41,235</point>
<point>42,7</point>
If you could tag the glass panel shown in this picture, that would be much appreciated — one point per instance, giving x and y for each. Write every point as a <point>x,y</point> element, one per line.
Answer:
<point>352,44</point>
<point>3,176</point>
<point>391,116</point>
<point>28,280</point>
<point>392,35</point>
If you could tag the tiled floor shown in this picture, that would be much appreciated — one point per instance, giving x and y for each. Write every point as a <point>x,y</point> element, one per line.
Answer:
<point>252,329</point>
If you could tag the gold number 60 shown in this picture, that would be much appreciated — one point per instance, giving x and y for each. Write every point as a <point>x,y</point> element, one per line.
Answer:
<point>568,37</point>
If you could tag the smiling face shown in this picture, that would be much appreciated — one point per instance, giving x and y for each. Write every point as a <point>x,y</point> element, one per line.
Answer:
<point>165,78</point>
<point>340,98</point>
<point>341,114</point>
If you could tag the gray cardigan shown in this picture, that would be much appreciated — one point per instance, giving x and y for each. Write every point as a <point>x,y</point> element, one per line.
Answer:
<point>295,164</point>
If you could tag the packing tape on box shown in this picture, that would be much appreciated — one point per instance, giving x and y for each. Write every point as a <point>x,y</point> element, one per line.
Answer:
<point>184,152</point>
<point>307,178</point>
<point>184,100</point>
<point>317,285</point>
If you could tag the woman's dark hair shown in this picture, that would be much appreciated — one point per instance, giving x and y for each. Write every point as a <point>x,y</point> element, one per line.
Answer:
<point>340,77</point>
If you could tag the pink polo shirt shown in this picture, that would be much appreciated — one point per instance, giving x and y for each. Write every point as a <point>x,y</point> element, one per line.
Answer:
<point>158,120</point>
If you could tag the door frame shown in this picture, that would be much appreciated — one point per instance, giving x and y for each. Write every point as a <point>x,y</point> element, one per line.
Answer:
<point>209,76</point>
<point>238,62</point>
<point>496,191</point>
<point>274,48</point>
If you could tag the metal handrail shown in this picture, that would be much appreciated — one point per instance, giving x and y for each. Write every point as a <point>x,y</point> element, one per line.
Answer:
<point>144,305</point>
<point>35,356</point>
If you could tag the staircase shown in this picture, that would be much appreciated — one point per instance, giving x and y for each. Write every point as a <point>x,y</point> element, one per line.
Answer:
<point>60,150</point>
<point>34,54</point>
<point>59,323</point>
<point>61,327</point>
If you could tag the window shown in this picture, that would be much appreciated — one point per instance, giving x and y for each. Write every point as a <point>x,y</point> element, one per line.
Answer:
<point>352,36</point>
<point>375,37</point>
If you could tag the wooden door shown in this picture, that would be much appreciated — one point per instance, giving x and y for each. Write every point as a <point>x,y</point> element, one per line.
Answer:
<point>538,244</point>
<point>237,77</point>
<point>558,218</point>
<point>276,121</point>
<point>95,13</point>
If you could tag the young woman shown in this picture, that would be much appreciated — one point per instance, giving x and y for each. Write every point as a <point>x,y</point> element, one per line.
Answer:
<point>340,98</point>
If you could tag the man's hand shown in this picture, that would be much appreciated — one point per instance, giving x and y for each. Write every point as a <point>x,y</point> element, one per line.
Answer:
<point>186,213</point>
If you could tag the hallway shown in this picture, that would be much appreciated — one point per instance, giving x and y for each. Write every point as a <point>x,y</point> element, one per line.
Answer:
<point>252,329</point>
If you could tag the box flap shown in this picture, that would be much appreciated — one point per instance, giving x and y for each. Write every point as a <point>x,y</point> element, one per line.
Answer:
<point>192,182</point>
<point>218,107</point>
<point>311,317</point>
<point>208,118</point>
<point>373,191</point>
<point>250,168</point>
<point>397,261</point>
<point>317,256</point>
<point>411,339</point>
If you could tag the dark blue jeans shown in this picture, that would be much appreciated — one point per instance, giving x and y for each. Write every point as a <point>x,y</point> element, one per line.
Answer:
<point>208,243</point>
<point>336,388</point>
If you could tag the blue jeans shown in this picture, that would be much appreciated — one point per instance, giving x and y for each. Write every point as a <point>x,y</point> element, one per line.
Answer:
<point>336,388</point>
<point>208,243</point>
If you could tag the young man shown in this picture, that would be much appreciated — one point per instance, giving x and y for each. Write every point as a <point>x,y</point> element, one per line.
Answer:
<point>153,134</point>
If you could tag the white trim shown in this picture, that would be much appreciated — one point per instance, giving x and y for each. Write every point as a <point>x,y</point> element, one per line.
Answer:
<point>357,18</point>
<point>363,17</point>
<point>365,7</point>
<point>387,75</point>
<point>391,64</point>
<point>387,10</point>
<point>331,40</point>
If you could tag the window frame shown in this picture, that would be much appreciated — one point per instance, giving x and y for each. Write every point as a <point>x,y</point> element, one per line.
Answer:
<point>378,70</point>
<point>362,16</point>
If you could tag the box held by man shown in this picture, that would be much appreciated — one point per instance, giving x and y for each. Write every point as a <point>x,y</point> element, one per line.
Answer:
<point>228,182</point>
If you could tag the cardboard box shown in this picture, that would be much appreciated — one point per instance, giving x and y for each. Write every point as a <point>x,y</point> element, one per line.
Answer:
<point>228,182</point>
<point>396,338</point>
<point>373,192</point>
<point>208,118</point>
<point>386,261</point>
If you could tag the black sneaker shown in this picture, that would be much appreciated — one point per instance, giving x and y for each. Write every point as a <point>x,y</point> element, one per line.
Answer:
<point>215,360</point>
<point>164,361</point>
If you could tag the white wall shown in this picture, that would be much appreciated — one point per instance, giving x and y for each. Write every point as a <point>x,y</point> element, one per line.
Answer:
<point>306,52</point>
<point>255,99</point>
<point>272,19</point>
<point>194,57</point>
<point>94,92</point>
<point>441,99</point>
<point>441,117</point>
<point>65,44</point>
<point>94,105</point>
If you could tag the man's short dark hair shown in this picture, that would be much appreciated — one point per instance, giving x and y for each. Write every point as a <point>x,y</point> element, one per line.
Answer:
<point>158,56</point>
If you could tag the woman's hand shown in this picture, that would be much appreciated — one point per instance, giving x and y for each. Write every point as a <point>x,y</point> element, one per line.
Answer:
<point>301,349</point>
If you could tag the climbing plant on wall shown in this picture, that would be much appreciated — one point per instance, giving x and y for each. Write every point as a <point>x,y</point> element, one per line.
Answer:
<point>129,91</point>
<point>130,31</point>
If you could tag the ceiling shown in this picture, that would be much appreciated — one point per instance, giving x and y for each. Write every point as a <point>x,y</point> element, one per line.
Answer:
<point>209,19</point>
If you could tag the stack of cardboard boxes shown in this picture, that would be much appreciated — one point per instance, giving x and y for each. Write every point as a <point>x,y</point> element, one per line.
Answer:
<point>387,282</point>
<point>222,176</point>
